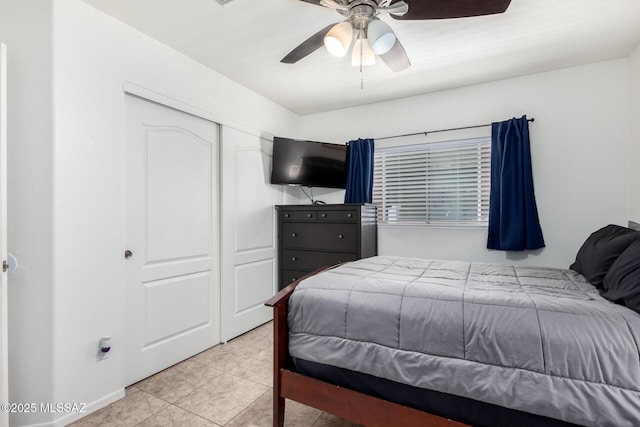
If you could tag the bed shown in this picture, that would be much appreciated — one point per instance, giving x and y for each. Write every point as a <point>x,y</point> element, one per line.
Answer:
<point>389,341</point>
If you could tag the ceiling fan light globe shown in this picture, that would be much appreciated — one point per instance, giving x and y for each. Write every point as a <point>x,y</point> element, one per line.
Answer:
<point>383,44</point>
<point>334,47</point>
<point>381,37</point>
<point>338,39</point>
<point>362,54</point>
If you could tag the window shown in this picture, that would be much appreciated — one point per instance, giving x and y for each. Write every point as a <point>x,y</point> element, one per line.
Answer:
<point>441,183</point>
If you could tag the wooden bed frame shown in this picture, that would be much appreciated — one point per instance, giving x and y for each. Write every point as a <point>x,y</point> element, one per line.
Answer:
<point>351,405</point>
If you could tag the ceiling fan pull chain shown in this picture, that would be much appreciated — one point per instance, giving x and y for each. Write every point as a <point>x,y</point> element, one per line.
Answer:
<point>361,74</point>
<point>361,54</point>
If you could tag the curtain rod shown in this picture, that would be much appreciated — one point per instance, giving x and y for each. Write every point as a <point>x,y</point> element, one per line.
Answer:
<point>441,130</point>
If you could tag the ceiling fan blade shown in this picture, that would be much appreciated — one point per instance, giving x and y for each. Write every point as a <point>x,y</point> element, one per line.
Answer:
<point>443,9</point>
<point>316,2</point>
<point>396,58</point>
<point>332,4</point>
<point>307,47</point>
<point>398,8</point>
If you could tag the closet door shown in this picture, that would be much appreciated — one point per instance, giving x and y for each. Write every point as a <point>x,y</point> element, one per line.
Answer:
<point>171,253</point>
<point>248,231</point>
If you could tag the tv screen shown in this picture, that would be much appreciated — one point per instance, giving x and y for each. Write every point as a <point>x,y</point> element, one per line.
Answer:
<point>309,163</point>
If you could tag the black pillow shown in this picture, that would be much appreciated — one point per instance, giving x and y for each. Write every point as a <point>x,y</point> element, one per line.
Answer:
<point>622,282</point>
<point>600,251</point>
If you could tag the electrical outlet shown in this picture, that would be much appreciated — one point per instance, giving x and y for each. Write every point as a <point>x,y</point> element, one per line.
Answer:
<point>103,348</point>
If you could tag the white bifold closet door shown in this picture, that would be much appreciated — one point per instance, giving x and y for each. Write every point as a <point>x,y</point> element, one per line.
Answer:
<point>248,231</point>
<point>172,245</point>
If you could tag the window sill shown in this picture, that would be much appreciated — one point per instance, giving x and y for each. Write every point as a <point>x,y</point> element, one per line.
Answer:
<point>438,226</point>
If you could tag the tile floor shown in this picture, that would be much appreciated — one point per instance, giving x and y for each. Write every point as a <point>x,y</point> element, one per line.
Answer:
<point>227,385</point>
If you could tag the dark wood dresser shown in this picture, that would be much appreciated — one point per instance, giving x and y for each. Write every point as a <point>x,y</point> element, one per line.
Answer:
<point>314,236</point>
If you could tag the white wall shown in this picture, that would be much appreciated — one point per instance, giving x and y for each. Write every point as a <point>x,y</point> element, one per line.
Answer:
<point>580,146</point>
<point>67,153</point>
<point>26,29</point>
<point>634,158</point>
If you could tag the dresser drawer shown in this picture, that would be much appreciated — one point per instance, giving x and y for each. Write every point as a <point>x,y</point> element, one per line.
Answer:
<point>315,236</point>
<point>299,215</point>
<point>329,237</point>
<point>311,260</point>
<point>338,216</point>
<point>290,276</point>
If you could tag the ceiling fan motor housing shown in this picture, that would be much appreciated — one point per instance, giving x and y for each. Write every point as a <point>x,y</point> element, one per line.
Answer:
<point>361,14</point>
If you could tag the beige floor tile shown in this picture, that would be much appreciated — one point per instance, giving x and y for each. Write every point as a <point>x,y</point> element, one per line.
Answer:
<point>224,357</point>
<point>223,398</point>
<point>179,381</point>
<point>299,415</point>
<point>135,407</point>
<point>172,416</point>
<point>328,420</point>
<point>259,414</point>
<point>260,337</point>
<point>258,368</point>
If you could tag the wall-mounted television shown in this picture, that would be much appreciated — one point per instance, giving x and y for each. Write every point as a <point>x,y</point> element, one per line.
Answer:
<point>309,163</point>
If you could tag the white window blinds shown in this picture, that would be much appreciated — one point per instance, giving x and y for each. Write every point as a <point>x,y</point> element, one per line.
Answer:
<point>440,183</point>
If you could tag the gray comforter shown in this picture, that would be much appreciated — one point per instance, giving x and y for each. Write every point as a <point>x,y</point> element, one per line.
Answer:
<point>534,339</point>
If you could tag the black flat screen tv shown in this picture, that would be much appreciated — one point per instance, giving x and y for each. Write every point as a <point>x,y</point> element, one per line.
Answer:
<point>309,163</point>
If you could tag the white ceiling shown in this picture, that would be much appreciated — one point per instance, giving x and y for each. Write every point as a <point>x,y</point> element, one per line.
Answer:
<point>245,40</point>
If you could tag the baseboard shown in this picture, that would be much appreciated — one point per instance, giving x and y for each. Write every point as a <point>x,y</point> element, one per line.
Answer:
<point>88,409</point>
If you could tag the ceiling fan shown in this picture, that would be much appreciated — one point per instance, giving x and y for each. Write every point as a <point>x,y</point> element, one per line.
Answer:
<point>374,37</point>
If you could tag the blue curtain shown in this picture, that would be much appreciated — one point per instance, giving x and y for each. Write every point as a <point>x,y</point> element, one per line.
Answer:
<point>360,172</point>
<point>513,214</point>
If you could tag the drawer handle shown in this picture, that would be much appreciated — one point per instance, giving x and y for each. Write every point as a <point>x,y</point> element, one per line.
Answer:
<point>286,215</point>
<point>294,258</point>
<point>349,215</point>
<point>294,279</point>
<point>324,215</point>
<point>309,215</point>
<point>294,234</point>
<point>340,236</point>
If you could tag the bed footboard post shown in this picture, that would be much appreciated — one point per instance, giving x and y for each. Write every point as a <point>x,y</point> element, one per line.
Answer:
<point>279,361</point>
<point>280,349</point>
<point>279,303</point>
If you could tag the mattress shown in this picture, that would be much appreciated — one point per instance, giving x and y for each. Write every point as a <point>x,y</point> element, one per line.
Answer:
<point>533,339</point>
<point>461,409</point>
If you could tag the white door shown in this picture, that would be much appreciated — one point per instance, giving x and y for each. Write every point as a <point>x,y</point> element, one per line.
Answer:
<point>171,252</point>
<point>248,231</point>
<point>4,370</point>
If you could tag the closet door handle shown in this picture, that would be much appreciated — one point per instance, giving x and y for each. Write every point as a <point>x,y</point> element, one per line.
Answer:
<point>128,254</point>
